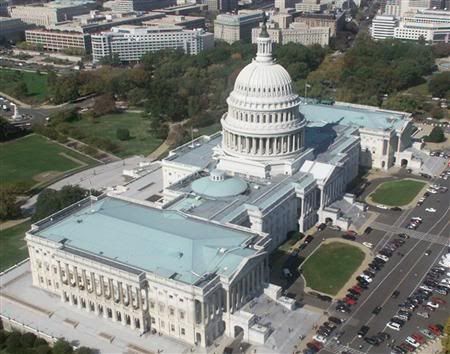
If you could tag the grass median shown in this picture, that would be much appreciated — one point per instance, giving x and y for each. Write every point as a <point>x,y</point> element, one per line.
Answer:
<point>397,193</point>
<point>331,265</point>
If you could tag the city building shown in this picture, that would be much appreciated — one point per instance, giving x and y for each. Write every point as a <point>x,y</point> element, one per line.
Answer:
<point>430,25</point>
<point>308,6</point>
<point>383,26</point>
<point>123,6</point>
<point>412,6</point>
<point>236,27</point>
<point>59,40</point>
<point>51,13</point>
<point>4,8</point>
<point>222,5</point>
<point>12,29</point>
<point>335,21</point>
<point>130,43</point>
<point>97,21</point>
<point>392,8</point>
<point>188,22</point>
<point>187,261</point>
<point>296,33</point>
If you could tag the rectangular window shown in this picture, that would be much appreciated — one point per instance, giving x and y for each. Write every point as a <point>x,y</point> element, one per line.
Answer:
<point>172,311</point>
<point>182,315</point>
<point>183,331</point>
<point>152,305</point>
<point>172,328</point>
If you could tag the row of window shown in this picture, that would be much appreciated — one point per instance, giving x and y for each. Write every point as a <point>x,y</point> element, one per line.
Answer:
<point>265,118</point>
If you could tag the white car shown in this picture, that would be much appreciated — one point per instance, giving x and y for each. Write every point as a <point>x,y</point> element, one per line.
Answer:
<point>418,218</point>
<point>319,338</point>
<point>366,277</point>
<point>424,287</point>
<point>413,342</point>
<point>430,210</point>
<point>381,206</point>
<point>445,281</point>
<point>433,304</point>
<point>367,244</point>
<point>448,274</point>
<point>380,256</point>
<point>394,325</point>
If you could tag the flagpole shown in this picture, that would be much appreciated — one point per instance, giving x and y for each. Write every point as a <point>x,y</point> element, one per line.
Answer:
<point>306,91</point>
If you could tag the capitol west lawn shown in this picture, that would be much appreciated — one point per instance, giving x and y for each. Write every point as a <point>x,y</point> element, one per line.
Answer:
<point>13,248</point>
<point>34,159</point>
<point>331,265</point>
<point>397,193</point>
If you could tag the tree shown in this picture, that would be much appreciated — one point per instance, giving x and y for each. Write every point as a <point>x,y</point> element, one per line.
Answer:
<point>62,347</point>
<point>436,136</point>
<point>439,84</point>
<point>28,339</point>
<point>50,201</point>
<point>13,344</point>
<point>104,104</point>
<point>20,89</point>
<point>9,208</point>
<point>123,134</point>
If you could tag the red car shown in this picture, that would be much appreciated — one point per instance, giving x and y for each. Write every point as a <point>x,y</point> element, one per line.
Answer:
<point>408,347</point>
<point>438,300</point>
<point>349,301</point>
<point>351,233</point>
<point>435,329</point>
<point>357,289</point>
<point>419,338</point>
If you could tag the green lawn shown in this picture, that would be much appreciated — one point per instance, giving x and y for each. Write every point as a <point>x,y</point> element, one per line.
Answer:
<point>396,193</point>
<point>141,143</point>
<point>330,267</point>
<point>34,159</point>
<point>36,84</point>
<point>12,245</point>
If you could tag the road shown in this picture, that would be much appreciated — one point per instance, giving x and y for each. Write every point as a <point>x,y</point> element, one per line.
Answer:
<point>404,273</point>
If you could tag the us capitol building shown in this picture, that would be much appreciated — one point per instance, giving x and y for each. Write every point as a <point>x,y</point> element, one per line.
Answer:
<point>186,260</point>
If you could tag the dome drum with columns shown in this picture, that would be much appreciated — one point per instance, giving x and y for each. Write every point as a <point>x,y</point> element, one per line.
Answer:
<point>263,122</point>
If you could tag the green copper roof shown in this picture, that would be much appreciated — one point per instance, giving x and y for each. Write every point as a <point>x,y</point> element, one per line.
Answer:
<point>219,189</point>
<point>165,242</point>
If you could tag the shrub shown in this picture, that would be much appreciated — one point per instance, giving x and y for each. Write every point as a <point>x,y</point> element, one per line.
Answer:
<point>123,134</point>
<point>436,136</point>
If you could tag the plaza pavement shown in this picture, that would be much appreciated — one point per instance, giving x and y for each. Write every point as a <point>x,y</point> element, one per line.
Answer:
<point>45,312</point>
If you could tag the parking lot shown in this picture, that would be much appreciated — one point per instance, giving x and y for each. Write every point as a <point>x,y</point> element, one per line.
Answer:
<point>404,271</point>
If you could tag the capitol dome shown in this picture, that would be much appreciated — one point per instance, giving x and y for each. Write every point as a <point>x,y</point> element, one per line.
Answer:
<point>263,121</point>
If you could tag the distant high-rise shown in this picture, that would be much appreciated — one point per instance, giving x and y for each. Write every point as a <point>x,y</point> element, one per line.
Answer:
<point>222,5</point>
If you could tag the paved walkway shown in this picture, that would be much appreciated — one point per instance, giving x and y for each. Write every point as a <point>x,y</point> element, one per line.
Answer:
<point>11,223</point>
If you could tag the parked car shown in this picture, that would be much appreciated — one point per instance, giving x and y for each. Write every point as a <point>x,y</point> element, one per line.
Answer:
<point>377,310</point>
<point>363,331</point>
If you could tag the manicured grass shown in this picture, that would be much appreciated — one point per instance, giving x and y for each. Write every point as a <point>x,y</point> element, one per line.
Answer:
<point>33,159</point>
<point>142,142</point>
<point>36,84</point>
<point>12,245</point>
<point>330,267</point>
<point>396,193</point>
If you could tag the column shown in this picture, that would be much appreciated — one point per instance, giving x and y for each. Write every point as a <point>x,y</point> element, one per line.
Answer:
<point>83,275</point>
<point>102,285</point>
<point>139,298</point>
<point>239,143</point>
<point>267,149</point>
<point>75,274</point>
<point>121,297</point>
<point>92,282</point>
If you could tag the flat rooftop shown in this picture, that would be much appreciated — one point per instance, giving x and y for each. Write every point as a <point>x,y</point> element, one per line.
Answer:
<point>165,242</point>
<point>353,115</point>
<point>198,154</point>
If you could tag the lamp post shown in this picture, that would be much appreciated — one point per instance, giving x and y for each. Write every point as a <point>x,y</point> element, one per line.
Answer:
<point>307,86</point>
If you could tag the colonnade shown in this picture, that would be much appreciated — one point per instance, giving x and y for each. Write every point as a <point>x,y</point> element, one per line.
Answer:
<point>104,296</point>
<point>263,146</point>
<point>237,294</point>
